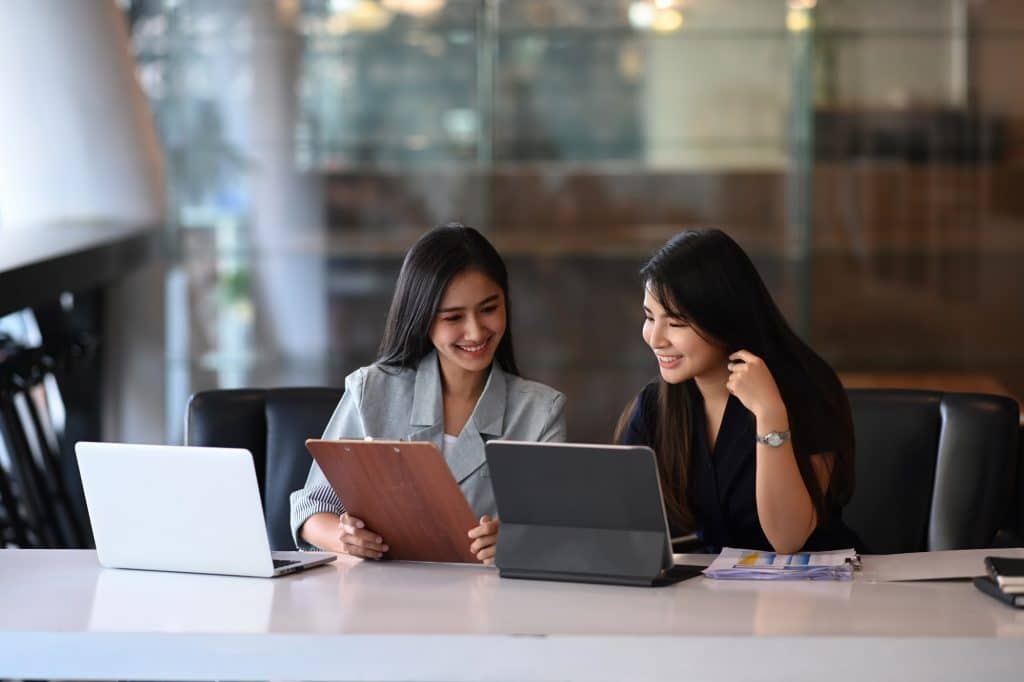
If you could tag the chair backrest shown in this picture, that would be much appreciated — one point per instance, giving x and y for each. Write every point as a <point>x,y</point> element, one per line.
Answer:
<point>1015,523</point>
<point>933,469</point>
<point>273,424</point>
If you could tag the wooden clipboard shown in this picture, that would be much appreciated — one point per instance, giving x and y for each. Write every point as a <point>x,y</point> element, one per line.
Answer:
<point>402,490</point>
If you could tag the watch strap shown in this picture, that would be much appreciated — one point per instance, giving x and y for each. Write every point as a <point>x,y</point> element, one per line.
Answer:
<point>773,439</point>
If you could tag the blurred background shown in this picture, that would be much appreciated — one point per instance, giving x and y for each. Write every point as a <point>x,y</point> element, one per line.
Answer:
<point>868,154</point>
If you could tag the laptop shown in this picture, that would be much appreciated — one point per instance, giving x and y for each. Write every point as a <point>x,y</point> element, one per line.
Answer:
<point>175,508</point>
<point>581,513</point>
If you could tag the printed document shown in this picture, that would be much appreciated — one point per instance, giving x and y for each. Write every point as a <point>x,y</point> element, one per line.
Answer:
<point>752,564</point>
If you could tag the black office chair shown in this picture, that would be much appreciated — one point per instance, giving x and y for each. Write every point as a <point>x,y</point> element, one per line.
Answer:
<point>934,470</point>
<point>1012,533</point>
<point>273,424</point>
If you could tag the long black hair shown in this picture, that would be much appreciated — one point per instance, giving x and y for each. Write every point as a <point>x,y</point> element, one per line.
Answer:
<point>704,278</point>
<point>429,266</point>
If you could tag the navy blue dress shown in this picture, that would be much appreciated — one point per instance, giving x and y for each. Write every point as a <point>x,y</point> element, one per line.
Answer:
<point>722,483</point>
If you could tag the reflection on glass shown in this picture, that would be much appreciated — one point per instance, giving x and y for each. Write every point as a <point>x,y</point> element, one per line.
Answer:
<point>865,153</point>
<point>379,81</point>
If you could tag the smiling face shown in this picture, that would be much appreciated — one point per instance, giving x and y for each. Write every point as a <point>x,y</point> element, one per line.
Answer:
<point>470,323</point>
<point>681,351</point>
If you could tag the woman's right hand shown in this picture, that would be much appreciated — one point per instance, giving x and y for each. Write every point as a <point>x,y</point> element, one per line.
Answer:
<point>358,540</point>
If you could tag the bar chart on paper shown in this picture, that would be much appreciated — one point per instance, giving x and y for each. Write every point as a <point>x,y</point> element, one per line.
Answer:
<point>750,564</point>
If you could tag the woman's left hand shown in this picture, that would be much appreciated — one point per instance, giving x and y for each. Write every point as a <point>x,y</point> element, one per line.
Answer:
<point>485,539</point>
<point>752,382</point>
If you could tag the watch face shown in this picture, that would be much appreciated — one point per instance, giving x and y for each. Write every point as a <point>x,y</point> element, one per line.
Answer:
<point>774,439</point>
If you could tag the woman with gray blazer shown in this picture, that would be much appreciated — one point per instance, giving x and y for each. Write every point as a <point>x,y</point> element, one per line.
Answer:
<point>446,374</point>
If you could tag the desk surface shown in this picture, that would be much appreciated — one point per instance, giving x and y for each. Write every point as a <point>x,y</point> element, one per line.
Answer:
<point>65,617</point>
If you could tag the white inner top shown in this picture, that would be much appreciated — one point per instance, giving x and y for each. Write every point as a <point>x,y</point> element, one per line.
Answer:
<point>449,443</point>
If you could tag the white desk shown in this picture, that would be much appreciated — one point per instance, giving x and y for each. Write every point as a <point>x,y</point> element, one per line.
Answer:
<point>64,617</point>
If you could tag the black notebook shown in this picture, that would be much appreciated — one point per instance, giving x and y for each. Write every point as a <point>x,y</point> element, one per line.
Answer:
<point>989,587</point>
<point>1007,573</point>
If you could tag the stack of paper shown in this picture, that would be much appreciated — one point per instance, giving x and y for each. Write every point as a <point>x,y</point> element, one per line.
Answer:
<point>751,564</point>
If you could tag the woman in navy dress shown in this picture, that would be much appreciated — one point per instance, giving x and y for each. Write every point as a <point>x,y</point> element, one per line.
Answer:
<point>752,429</point>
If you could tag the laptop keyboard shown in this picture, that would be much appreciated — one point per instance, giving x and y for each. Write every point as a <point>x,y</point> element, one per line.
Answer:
<point>281,563</point>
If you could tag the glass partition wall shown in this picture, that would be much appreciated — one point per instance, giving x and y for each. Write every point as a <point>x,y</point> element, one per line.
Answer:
<point>867,153</point>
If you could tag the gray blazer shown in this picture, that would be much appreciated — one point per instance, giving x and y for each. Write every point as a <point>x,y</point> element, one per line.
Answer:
<point>396,404</point>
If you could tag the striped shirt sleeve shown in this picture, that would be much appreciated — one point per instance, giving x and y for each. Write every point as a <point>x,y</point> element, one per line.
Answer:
<point>317,495</point>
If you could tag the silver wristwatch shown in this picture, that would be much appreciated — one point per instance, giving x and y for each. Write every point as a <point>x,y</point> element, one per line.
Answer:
<point>773,439</point>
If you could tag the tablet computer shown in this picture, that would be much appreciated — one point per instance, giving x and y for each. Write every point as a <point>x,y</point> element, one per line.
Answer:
<point>581,513</point>
<point>405,492</point>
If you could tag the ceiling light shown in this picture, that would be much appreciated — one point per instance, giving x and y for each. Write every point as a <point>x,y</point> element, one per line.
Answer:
<point>667,20</point>
<point>417,8</point>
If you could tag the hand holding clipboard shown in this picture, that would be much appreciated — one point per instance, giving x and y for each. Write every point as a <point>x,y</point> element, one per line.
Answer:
<point>405,492</point>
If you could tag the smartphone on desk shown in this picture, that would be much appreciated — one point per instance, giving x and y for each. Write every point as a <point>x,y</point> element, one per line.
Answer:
<point>991,588</point>
<point>1007,572</point>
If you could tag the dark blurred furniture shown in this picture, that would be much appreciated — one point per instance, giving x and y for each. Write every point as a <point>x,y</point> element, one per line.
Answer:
<point>935,470</point>
<point>912,135</point>
<point>37,508</point>
<point>60,273</point>
<point>273,424</point>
